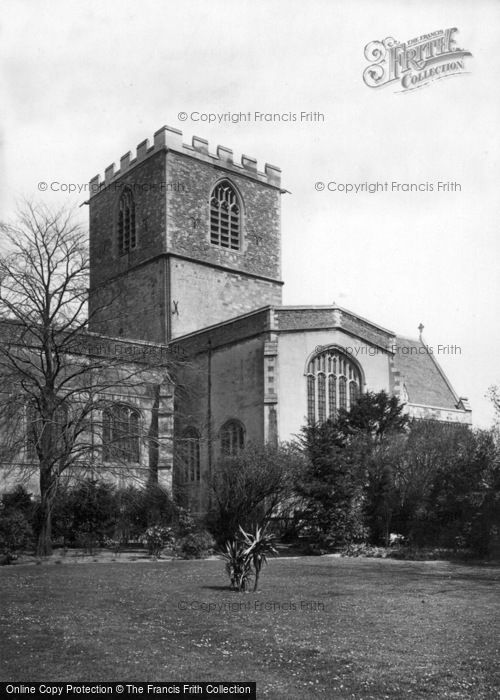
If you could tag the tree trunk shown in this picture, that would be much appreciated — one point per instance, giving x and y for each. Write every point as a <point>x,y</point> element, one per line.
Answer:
<point>257,573</point>
<point>44,534</point>
<point>48,488</point>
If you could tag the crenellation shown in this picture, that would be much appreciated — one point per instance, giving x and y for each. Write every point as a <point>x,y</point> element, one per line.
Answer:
<point>200,144</point>
<point>224,153</point>
<point>125,162</point>
<point>249,163</point>
<point>142,149</point>
<point>273,174</point>
<point>173,137</point>
<point>109,173</point>
<point>169,138</point>
<point>160,137</point>
<point>94,184</point>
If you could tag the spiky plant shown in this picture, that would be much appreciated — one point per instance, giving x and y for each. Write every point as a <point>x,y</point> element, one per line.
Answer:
<point>238,564</point>
<point>259,546</point>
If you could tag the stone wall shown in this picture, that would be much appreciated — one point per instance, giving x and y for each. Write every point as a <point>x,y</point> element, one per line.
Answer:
<point>213,387</point>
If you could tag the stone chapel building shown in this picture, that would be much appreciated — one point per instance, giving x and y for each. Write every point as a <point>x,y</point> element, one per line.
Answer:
<point>185,249</point>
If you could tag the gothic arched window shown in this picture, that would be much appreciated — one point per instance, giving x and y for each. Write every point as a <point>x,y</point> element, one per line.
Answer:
<point>121,434</point>
<point>190,454</point>
<point>333,382</point>
<point>127,239</point>
<point>225,216</point>
<point>232,438</point>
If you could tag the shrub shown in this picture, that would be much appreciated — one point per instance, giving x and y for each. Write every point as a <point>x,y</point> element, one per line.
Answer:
<point>185,524</point>
<point>93,508</point>
<point>16,515</point>
<point>156,538</point>
<point>365,550</point>
<point>238,564</point>
<point>312,549</point>
<point>251,487</point>
<point>245,556</point>
<point>19,499</point>
<point>195,545</point>
<point>139,509</point>
<point>95,512</point>
<point>346,527</point>
<point>259,545</point>
<point>85,514</point>
<point>15,534</point>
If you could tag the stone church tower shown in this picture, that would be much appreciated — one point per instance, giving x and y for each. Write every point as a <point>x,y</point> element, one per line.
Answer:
<point>181,239</point>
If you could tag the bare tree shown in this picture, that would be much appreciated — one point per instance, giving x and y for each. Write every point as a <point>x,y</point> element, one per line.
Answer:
<point>251,486</point>
<point>56,379</point>
<point>493,394</point>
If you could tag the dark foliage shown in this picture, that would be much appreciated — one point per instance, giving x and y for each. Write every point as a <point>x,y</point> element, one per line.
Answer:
<point>95,511</point>
<point>374,414</point>
<point>331,485</point>
<point>86,514</point>
<point>372,472</point>
<point>194,545</point>
<point>347,485</point>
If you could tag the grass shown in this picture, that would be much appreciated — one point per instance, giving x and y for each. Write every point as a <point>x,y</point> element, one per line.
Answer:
<point>333,628</point>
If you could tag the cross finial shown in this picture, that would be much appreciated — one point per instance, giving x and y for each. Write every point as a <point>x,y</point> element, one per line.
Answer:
<point>420,329</point>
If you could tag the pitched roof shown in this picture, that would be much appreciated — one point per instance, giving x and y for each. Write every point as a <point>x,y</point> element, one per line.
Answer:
<point>425,381</point>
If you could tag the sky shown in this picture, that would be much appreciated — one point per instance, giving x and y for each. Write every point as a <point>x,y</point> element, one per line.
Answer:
<point>83,83</point>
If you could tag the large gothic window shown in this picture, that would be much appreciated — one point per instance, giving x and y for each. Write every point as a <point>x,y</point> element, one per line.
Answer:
<point>232,438</point>
<point>190,454</point>
<point>120,434</point>
<point>333,382</point>
<point>225,216</point>
<point>127,239</point>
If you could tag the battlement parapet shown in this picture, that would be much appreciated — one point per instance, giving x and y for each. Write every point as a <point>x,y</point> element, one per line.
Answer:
<point>169,138</point>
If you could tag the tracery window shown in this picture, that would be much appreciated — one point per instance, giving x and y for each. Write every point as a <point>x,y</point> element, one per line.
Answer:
<point>333,382</point>
<point>232,438</point>
<point>190,454</point>
<point>225,216</point>
<point>120,434</point>
<point>127,239</point>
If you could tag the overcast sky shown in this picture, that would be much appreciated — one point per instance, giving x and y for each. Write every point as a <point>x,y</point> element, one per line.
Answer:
<point>85,82</point>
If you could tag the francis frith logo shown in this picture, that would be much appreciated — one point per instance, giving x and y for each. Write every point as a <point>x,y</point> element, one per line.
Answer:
<point>416,62</point>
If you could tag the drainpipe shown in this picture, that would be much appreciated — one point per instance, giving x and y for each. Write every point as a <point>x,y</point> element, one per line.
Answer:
<point>209,418</point>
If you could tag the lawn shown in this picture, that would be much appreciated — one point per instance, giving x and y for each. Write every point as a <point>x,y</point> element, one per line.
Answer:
<point>319,627</point>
